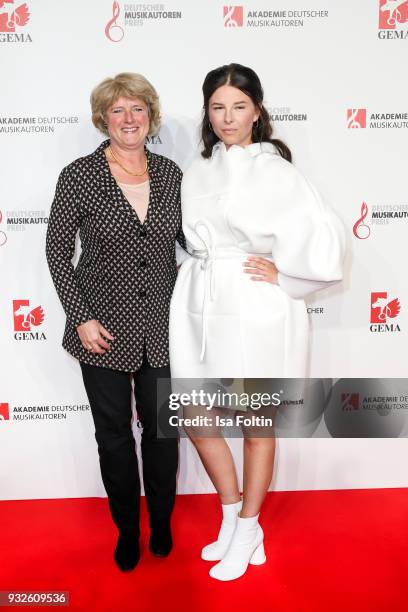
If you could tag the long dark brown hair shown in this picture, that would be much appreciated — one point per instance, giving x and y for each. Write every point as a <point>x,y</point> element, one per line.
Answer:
<point>247,81</point>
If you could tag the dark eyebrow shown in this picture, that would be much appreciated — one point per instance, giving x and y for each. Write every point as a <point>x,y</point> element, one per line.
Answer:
<point>221,104</point>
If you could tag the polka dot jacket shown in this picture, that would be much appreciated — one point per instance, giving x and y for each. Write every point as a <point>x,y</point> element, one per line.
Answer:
<point>127,270</point>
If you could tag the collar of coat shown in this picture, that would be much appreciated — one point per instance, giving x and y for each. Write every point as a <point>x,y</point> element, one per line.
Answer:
<point>251,150</point>
<point>115,196</point>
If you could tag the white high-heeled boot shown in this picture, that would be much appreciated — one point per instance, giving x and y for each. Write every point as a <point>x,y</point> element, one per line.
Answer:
<point>216,550</point>
<point>246,547</point>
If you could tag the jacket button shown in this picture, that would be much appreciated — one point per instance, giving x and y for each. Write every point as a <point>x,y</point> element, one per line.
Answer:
<point>142,232</point>
<point>142,263</point>
<point>142,293</point>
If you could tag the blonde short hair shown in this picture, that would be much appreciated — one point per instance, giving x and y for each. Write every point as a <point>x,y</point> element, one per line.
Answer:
<point>128,85</point>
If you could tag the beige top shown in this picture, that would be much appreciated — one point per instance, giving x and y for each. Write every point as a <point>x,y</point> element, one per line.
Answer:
<point>138,197</point>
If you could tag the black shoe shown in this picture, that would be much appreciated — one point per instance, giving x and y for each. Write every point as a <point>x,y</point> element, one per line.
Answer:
<point>160,543</point>
<point>127,552</point>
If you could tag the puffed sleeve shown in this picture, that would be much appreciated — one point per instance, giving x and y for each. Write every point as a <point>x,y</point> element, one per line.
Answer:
<point>309,241</point>
<point>62,229</point>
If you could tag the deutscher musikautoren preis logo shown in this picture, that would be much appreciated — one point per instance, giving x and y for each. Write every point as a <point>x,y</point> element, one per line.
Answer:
<point>3,235</point>
<point>127,15</point>
<point>384,309</point>
<point>20,220</point>
<point>393,19</point>
<point>378,214</point>
<point>28,320</point>
<point>14,17</point>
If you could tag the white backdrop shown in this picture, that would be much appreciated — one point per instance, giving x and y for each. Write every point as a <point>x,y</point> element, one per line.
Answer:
<point>334,86</point>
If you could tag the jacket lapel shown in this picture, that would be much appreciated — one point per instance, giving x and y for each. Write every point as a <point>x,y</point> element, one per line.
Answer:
<point>114,193</point>
<point>156,189</point>
<point>108,185</point>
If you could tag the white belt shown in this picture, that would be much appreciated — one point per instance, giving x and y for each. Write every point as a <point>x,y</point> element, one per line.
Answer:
<point>208,257</point>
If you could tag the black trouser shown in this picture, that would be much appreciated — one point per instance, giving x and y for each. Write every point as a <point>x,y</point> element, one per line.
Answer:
<point>109,393</point>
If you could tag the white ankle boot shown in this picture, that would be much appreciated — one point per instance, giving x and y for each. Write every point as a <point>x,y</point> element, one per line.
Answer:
<point>246,547</point>
<point>216,550</point>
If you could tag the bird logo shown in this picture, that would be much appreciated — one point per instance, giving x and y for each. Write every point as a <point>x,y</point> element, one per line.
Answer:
<point>13,17</point>
<point>393,13</point>
<point>25,317</point>
<point>383,309</point>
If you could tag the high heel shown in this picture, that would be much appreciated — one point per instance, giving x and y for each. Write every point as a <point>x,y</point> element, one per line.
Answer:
<point>258,556</point>
<point>246,548</point>
<point>216,550</point>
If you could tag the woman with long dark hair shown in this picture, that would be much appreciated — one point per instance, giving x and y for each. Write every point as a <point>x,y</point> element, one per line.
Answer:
<point>260,239</point>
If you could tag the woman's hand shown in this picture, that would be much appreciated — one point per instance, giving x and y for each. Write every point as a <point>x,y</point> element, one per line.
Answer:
<point>261,269</point>
<point>93,337</point>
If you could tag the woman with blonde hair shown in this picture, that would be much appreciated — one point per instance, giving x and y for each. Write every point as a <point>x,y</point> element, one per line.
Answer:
<point>125,203</point>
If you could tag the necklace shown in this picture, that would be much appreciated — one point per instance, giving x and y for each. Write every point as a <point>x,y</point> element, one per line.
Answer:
<point>123,167</point>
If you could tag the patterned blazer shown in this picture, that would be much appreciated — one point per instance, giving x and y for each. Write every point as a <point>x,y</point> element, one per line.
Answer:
<point>127,270</point>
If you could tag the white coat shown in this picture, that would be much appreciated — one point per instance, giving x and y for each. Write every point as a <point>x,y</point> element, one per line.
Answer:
<point>223,324</point>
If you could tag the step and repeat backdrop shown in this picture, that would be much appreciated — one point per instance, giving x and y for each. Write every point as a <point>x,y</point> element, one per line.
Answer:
<point>336,91</point>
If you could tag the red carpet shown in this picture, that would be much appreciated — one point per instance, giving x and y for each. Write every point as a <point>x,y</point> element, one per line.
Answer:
<point>326,551</point>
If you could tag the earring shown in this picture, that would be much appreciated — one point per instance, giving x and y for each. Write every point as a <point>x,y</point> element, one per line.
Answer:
<point>210,127</point>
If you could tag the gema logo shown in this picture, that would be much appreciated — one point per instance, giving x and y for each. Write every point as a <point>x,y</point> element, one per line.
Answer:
<point>393,19</point>
<point>4,412</point>
<point>383,309</point>
<point>12,18</point>
<point>25,318</point>
<point>233,16</point>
